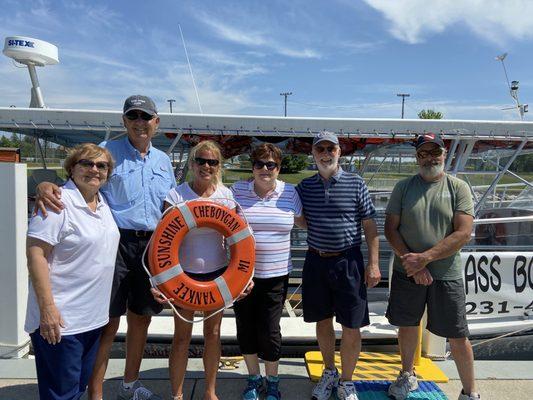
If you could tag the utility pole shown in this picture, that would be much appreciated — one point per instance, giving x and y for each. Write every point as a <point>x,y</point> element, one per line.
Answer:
<point>285,94</point>
<point>170,101</point>
<point>403,96</point>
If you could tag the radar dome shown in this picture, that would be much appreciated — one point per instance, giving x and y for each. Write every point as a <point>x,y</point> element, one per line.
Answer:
<point>27,50</point>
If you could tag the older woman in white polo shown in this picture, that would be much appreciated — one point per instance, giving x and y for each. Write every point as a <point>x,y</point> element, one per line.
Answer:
<point>71,260</point>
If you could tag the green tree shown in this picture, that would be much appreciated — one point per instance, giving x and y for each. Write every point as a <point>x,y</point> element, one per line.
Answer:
<point>15,139</point>
<point>430,114</point>
<point>27,147</point>
<point>293,163</point>
<point>5,142</point>
<point>523,163</point>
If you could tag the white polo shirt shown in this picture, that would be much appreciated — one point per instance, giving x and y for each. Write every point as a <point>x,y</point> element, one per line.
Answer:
<point>202,250</point>
<point>81,263</point>
<point>271,219</point>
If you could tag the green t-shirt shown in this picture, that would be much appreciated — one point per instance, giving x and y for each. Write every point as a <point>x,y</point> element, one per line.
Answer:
<point>426,211</point>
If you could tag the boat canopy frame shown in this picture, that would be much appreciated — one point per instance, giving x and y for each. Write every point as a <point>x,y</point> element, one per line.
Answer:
<point>70,127</point>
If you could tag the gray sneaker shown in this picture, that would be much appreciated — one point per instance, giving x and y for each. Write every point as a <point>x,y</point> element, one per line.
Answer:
<point>328,381</point>
<point>127,394</point>
<point>404,384</point>
<point>144,394</point>
<point>346,391</point>
<point>472,396</point>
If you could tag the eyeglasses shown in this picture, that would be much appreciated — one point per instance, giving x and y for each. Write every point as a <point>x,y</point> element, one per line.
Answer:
<point>271,165</point>
<point>433,153</point>
<point>135,115</point>
<point>102,166</point>
<point>209,161</point>
<point>321,149</point>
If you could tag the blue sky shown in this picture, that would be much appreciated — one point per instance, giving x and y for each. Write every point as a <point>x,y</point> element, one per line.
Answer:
<point>340,58</point>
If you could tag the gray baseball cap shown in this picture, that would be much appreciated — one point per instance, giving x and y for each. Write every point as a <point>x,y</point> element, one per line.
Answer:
<point>141,103</point>
<point>326,136</point>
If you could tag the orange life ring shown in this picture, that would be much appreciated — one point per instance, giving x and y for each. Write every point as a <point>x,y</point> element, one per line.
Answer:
<point>167,273</point>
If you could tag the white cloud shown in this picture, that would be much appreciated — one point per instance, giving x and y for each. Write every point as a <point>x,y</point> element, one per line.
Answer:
<point>29,22</point>
<point>360,47</point>
<point>232,64</point>
<point>93,58</point>
<point>254,38</point>
<point>389,109</point>
<point>94,14</point>
<point>413,21</point>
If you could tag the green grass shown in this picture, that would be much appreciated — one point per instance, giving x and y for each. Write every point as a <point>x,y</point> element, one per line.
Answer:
<point>231,176</point>
<point>234,175</point>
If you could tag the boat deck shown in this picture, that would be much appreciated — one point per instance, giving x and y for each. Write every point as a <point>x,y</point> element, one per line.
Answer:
<point>500,380</point>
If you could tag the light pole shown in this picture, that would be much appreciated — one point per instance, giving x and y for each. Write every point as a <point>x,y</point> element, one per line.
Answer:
<point>170,101</point>
<point>285,94</point>
<point>403,96</point>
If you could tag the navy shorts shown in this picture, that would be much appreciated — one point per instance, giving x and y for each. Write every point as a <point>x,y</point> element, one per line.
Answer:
<point>334,286</point>
<point>64,369</point>
<point>445,302</point>
<point>131,286</point>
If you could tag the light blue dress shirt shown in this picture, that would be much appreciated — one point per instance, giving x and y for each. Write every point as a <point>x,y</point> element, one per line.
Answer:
<point>138,186</point>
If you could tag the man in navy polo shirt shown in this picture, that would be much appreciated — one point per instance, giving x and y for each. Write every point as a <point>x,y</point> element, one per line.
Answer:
<point>336,206</point>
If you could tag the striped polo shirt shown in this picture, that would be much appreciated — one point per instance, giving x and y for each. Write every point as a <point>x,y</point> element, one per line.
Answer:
<point>271,219</point>
<point>334,209</point>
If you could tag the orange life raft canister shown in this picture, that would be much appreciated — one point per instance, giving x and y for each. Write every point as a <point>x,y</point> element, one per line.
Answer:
<point>167,273</point>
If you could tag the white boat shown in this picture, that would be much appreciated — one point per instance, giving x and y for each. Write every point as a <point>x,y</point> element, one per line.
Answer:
<point>498,263</point>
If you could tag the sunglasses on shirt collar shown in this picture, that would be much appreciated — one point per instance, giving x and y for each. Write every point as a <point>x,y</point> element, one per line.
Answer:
<point>209,161</point>
<point>271,165</point>
<point>134,115</point>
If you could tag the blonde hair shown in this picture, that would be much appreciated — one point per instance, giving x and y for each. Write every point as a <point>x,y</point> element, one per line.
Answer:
<point>208,145</point>
<point>88,151</point>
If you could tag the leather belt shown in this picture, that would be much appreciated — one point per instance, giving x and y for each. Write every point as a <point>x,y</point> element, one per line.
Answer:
<point>133,232</point>
<point>326,254</point>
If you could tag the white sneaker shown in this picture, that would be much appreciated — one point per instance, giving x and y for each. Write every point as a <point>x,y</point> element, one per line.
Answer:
<point>324,387</point>
<point>472,396</point>
<point>127,394</point>
<point>404,384</point>
<point>144,394</point>
<point>346,391</point>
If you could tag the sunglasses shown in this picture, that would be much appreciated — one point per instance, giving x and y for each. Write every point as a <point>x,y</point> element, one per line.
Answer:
<point>433,153</point>
<point>135,115</point>
<point>321,149</point>
<point>102,166</point>
<point>271,165</point>
<point>209,161</point>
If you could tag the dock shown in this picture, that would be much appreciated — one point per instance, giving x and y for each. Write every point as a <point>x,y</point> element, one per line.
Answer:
<point>497,380</point>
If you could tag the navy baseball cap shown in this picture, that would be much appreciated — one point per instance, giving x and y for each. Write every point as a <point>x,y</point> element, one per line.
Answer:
<point>141,103</point>
<point>326,136</point>
<point>429,138</point>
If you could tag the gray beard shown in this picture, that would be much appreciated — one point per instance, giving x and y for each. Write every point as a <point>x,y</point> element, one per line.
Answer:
<point>327,170</point>
<point>431,172</point>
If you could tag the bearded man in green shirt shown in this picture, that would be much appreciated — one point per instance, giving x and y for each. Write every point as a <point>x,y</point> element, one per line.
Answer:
<point>429,219</point>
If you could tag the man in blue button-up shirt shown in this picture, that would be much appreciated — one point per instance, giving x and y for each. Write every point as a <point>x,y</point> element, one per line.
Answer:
<point>135,192</point>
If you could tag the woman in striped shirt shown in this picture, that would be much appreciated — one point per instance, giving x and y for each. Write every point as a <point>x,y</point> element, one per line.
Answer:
<point>271,208</point>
